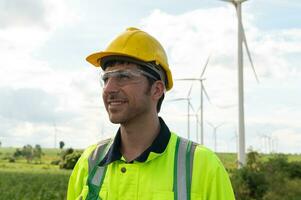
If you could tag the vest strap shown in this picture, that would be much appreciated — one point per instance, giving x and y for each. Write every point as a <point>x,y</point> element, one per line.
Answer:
<point>183,167</point>
<point>97,173</point>
<point>184,156</point>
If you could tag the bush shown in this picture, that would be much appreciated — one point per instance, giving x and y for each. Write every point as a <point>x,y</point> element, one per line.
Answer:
<point>70,160</point>
<point>275,179</point>
<point>11,159</point>
<point>66,152</point>
<point>249,184</point>
<point>294,170</point>
<point>285,190</point>
<point>55,162</point>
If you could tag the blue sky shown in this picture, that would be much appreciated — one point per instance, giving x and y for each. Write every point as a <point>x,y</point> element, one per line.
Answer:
<point>47,87</point>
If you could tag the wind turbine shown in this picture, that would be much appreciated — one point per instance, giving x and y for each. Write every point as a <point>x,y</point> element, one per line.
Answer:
<point>189,105</point>
<point>235,137</point>
<point>214,134</point>
<point>203,90</point>
<point>197,123</point>
<point>241,157</point>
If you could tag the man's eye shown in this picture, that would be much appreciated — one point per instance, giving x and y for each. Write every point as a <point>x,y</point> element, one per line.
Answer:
<point>104,78</point>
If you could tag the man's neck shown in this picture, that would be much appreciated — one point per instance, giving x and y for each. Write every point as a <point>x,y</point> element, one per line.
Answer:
<point>137,136</point>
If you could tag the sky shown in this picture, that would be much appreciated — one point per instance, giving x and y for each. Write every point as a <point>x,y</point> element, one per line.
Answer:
<point>49,93</point>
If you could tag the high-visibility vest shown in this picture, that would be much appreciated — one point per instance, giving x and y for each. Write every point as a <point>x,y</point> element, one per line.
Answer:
<point>170,172</point>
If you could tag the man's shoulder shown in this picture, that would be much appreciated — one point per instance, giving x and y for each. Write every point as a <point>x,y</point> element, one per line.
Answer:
<point>202,154</point>
<point>207,159</point>
<point>90,149</point>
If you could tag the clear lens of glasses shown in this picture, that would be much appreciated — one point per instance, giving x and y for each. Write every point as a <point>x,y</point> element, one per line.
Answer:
<point>124,77</point>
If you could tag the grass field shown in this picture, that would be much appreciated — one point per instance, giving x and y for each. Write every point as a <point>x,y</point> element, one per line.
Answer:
<point>28,181</point>
<point>33,184</point>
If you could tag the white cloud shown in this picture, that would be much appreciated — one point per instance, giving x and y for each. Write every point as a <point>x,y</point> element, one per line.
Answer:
<point>189,39</point>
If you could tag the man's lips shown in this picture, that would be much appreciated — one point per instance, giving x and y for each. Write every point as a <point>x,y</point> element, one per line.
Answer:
<point>116,102</point>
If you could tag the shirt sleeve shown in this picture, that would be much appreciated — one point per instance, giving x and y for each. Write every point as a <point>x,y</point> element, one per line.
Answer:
<point>79,175</point>
<point>220,187</point>
<point>210,180</point>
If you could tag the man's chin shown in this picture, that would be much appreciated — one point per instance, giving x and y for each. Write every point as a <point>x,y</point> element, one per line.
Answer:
<point>115,120</point>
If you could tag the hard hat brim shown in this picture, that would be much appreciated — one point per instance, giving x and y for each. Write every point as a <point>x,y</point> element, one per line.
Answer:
<point>95,58</point>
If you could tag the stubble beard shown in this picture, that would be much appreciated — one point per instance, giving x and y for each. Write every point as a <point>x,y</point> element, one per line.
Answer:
<point>131,113</point>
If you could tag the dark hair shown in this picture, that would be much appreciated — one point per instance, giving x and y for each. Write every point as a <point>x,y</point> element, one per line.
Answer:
<point>150,83</point>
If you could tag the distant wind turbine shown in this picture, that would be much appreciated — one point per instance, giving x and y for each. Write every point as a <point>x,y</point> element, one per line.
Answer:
<point>197,123</point>
<point>241,157</point>
<point>215,134</point>
<point>203,91</point>
<point>189,105</point>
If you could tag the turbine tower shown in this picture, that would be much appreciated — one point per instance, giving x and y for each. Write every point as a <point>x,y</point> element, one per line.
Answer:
<point>241,157</point>
<point>189,105</point>
<point>215,134</point>
<point>203,90</point>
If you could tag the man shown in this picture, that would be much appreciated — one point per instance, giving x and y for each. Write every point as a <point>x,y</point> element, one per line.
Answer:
<point>145,160</point>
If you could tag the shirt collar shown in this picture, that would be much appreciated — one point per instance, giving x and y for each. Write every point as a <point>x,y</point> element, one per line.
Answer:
<point>158,146</point>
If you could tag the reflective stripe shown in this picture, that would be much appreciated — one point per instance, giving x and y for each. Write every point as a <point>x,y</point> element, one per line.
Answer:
<point>95,156</point>
<point>175,175</point>
<point>181,173</point>
<point>183,167</point>
<point>184,157</point>
<point>97,173</point>
<point>192,150</point>
<point>96,180</point>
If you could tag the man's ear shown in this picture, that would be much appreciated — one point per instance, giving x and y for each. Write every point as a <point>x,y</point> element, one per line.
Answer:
<point>157,90</point>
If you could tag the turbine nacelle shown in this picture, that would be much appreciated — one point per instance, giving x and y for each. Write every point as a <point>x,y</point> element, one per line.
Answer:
<point>235,1</point>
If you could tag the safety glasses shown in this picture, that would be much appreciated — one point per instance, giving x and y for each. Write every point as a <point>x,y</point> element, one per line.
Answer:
<point>124,77</point>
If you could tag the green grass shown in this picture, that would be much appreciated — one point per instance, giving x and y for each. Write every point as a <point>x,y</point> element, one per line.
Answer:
<point>229,159</point>
<point>29,181</point>
<point>36,184</point>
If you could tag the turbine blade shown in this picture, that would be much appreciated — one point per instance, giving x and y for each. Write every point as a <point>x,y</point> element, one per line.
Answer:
<point>206,94</point>
<point>188,95</point>
<point>230,1</point>
<point>210,124</point>
<point>207,61</point>
<point>187,79</point>
<point>190,105</point>
<point>249,54</point>
<point>247,48</point>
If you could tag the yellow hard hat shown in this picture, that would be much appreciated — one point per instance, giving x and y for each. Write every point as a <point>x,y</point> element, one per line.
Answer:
<point>136,44</point>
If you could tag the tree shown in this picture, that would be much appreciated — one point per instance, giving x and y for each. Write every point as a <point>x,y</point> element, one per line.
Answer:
<point>37,152</point>
<point>18,153</point>
<point>62,144</point>
<point>27,152</point>
<point>250,181</point>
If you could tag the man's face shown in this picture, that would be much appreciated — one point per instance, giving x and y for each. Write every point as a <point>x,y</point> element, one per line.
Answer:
<point>125,93</point>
